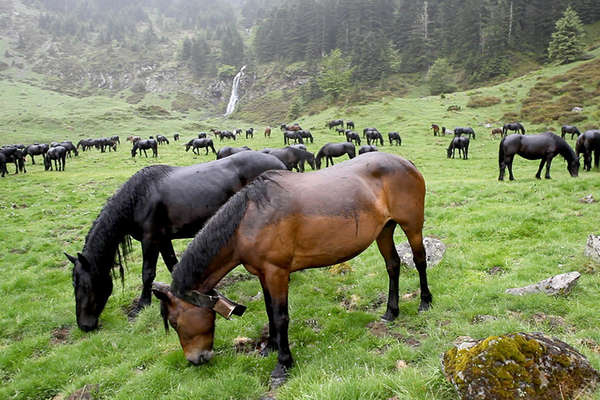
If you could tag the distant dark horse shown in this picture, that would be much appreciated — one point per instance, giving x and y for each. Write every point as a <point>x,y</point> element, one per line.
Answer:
<point>294,157</point>
<point>366,149</point>
<point>496,132</point>
<point>545,146</point>
<point>569,129</point>
<point>306,135</point>
<point>250,133</point>
<point>176,137</point>
<point>36,150</point>
<point>156,205</point>
<point>464,131</point>
<point>3,169</point>
<point>395,137</point>
<point>331,150</point>
<point>294,135</point>
<point>353,137</point>
<point>69,146</point>
<point>268,132</point>
<point>349,124</point>
<point>327,217</point>
<point>436,129</point>
<point>144,145</point>
<point>197,144</point>
<point>162,139</point>
<point>202,135</point>
<point>227,151</point>
<point>588,143</point>
<point>57,154</point>
<point>334,123</point>
<point>515,127</point>
<point>374,136</point>
<point>461,144</point>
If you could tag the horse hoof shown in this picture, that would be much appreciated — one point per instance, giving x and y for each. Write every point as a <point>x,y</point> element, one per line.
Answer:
<point>424,307</point>
<point>278,376</point>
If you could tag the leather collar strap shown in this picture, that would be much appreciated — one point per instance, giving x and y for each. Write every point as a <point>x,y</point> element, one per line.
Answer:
<point>200,299</point>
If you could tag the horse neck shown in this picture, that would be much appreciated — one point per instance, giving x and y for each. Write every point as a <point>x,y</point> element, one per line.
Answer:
<point>103,239</point>
<point>566,151</point>
<point>225,260</point>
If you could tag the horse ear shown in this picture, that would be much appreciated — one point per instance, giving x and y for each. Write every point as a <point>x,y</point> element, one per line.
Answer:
<point>71,258</point>
<point>161,291</point>
<point>83,261</point>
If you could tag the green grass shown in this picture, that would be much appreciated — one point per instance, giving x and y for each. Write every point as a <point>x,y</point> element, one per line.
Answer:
<point>531,229</point>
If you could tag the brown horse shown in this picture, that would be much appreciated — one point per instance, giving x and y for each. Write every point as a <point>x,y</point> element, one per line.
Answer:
<point>326,217</point>
<point>495,132</point>
<point>268,132</point>
<point>436,129</point>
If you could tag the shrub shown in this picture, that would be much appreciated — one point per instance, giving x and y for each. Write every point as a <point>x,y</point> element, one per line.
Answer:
<point>483,101</point>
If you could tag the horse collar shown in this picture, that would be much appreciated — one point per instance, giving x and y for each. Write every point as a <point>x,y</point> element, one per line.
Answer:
<point>215,301</point>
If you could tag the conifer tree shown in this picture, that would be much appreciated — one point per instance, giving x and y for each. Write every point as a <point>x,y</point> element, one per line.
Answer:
<point>567,40</point>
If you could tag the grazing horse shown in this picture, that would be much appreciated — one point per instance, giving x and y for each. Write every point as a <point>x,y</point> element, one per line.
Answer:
<point>116,139</point>
<point>295,135</point>
<point>514,127</point>
<point>368,130</point>
<point>197,144</point>
<point>57,154</point>
<point>395,137</point>
<point>15,154</point>
<point>334,123</point>
<point>436,129</point>
<point>225,134</point>
<point>156,205</point>
<point>294,158</point>
<point>250,133</point>
<point>447,131</point>
<point>36,150</point>
<point>294,127</point>
<point>340,131</point>
<point>545,146</point>
<point>229,151</point>
<point>162,139</point>
<point>496,131</point>
<point>285,222</point>
<point>238,131</point>
<point>464,131</point>
<point>202,135</point>
<point>353,137</point>
<point>569,129</point>
<point>350,125</point>
<point>131,139</point>
<point>588,143</point>
<point>3,169</point>
<point>366,149</point>
<point>461,144</point>
<point>374,136</point>
<point>268,132</point>
<point>330,150</point>
<point>176,137</point>
<point>306,135</point>
<point>143,145</point>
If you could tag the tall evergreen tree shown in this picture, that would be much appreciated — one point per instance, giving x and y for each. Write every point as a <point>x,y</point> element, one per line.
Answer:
<point>567,40</point>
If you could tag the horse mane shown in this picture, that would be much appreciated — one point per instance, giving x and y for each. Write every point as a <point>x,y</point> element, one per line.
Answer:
<point>216,233</point>
<point>564,149</point>
<point>108,237</point>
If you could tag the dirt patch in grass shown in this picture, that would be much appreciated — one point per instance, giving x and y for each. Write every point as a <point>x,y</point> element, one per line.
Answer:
<point>184,102</point>
<point>249,345</point>
<point>88,392</point>
<point>495,270</point>
<point>135,98</point>
<point>381,329</point>
<point>483,101</point>
<point>61,335</point>
<point>232,280</point>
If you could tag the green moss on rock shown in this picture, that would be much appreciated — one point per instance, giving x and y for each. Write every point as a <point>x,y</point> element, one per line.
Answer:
<point>518,365</point>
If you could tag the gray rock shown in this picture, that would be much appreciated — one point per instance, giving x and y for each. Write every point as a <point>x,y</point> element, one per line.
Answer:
<point>529,366</point>
<point>559,284</point>
<point>592,247</point>
<point>434,249</point>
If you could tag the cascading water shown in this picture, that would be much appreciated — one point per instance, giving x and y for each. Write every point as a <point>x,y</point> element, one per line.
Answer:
<point>234,92</point>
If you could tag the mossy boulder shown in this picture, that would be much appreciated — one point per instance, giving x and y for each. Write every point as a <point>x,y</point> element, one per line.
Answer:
<point>518,366</point>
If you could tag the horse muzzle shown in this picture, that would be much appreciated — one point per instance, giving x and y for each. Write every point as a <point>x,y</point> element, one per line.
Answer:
<point>199,357</point>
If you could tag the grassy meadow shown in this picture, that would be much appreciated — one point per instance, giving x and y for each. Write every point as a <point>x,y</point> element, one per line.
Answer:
<point>499,235</point>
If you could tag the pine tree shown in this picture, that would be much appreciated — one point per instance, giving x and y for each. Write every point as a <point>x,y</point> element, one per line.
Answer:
<point>567,40</point>
<point>335,75</point>
<point>440,77</point>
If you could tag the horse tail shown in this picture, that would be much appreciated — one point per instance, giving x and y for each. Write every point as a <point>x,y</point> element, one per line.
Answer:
<point>501,153</point>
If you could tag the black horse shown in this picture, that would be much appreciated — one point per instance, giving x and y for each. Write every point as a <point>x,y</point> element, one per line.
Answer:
<point>69,146</point>
<point>461,144</point>
<point>295,135</point>
<point>366,149</point>
<point>229,151</point>
<point>162,139</point>
<point>144,145</point>
<point>587,144</point>
<point>464,131</point>
<point>36,150</point>
<point>334,123</point>
<point>225,134</point>
<point>395,137</point>
<point>15,154</point>
<point>306,135</point>
<point>569,129</point>
<point>202,135</point>
<point>350,125</point>
<point>197,144</point>
<point>374,136</point>
<point>514,127</point>
<point>3,169</point>
<point>250,133</point>
<point>340,131</point>
<point>294,158</point>
<point>368,130</point>
<point>352,136</point>
<point>57,154</point>
<point>176,137</point>
<point>156,205</point>
<point>331,150</point>
<point>545,146</point>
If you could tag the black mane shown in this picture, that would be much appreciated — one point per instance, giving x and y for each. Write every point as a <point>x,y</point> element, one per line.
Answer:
<point>216,233</point>
<point>110,229</point>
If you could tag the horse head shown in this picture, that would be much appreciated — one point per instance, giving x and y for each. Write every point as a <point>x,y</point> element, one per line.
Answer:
<point>573,167</point>
<point>310,159</point>
<point>193,318</point>
<point>91,292</point>
<point>318,162</point>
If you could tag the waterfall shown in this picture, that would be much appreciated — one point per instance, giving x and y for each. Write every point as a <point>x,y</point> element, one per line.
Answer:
<point>234,92</point>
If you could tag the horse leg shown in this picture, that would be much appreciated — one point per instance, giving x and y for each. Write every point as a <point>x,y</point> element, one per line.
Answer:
<point>276,281</point>
<point>548,162</point>
<point>509,163</point>
<point>539,172</point>
<point>168,254</point>
<point>414,233</point>
<point>596,159</point>
<point>150,256</point>
<point>271,345</point>
<point>385,243</point>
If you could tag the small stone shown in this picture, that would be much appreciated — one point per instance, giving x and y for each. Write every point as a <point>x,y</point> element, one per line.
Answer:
<point>587,199</point>
<point>479,319</point>
<point>401,364</point>
<point>243,344</point>
<point>434,251</point>
<point>592,248</point>
<point>561,284</point>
